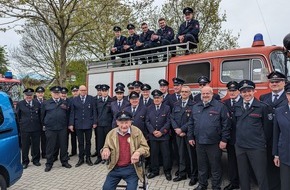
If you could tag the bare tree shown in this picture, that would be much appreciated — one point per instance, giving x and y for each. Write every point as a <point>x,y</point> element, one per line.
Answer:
<point>39,52</point>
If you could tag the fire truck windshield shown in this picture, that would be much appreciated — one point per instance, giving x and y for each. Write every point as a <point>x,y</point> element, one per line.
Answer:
<point>278,61</point>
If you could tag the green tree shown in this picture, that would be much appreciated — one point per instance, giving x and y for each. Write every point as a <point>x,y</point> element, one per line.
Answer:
<point>3,60</point>
<point>211,36</point>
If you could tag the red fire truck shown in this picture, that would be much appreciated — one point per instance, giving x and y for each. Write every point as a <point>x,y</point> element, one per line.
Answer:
<point>253,63</point>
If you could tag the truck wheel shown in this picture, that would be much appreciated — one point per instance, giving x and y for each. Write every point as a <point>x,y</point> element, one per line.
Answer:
<point>3,185</point>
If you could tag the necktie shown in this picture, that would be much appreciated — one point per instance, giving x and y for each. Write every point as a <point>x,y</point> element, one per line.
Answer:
<point>83,99</point>
<point>134,111</point>
<point>104,99</point>
<point>233,102</point>
<point>30,103</point>
<point>56,101</point>
<point>183,104</point>
<point>178,96</point>
<point>40,101</point>
<point>119,104</point>
<point>157,108</point>
<point>145,102</point>
<point>247,105</point>
<point>186,23</point>
<point>275,98</point>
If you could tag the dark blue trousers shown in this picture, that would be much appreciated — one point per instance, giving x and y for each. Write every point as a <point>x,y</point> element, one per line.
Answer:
<point>127,173</point>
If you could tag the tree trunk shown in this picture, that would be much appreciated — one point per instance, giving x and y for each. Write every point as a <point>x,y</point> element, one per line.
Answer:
<point>62,76</point>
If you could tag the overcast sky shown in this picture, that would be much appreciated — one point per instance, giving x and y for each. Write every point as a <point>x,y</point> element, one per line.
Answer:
<point>243,16</point>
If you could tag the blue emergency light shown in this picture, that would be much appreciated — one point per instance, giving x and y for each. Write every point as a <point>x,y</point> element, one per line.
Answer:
<point>8,75</point>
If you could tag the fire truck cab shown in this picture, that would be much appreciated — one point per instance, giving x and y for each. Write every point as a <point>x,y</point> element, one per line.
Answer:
<point>253,63</point>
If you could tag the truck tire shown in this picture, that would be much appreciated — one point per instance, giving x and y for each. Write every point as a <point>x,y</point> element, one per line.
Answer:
<point>3,184</point>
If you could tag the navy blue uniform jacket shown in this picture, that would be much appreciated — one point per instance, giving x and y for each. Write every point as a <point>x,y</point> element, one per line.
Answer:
<point>104,112</point>
<point>180,116</point>
<point>253,125</point>
<point>131,41</point>
<point>167,33</point>
<point>281,136</point>
<point>29,116</point>
<point>120,43</point>
<point>146,38</point>
<point>83,116</point>
<point>115,109</point>
<point>139,118</point>
<point>191,28</point>
<point>233,121</point>
<point>209,124</point>
<point>158,120</point>
<point>54,116</point>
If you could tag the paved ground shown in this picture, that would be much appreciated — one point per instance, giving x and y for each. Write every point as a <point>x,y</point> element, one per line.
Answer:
<point>84,177</point>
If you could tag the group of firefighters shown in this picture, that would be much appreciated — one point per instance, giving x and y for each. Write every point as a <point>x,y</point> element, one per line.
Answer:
<point>188,32</point>
<point>180,129</point>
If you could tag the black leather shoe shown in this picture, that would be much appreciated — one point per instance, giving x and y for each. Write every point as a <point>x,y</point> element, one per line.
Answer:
<point>47,168</point>
<point>99,160</point>
<point>80,162</point>
<point>179,178</point>
<point>89,162</point>
<point>176,173</point>
<point>95,154</point>
<point>192,182</point>
<point>168,177</point>
<point>151,175</point>
<point>24,166</point>
<point>37,164</point>
<point>199,187</point>
<point>66,165</point>
<point>231,186</point>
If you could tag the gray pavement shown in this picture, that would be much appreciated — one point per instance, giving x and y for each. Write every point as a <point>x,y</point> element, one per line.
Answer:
<point>90,177</point>
<point>84,177</point>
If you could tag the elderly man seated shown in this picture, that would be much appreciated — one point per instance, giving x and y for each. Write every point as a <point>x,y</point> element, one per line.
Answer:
<point>123,146</point>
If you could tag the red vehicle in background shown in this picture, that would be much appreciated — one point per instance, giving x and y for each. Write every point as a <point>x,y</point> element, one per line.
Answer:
<point>13,87</point>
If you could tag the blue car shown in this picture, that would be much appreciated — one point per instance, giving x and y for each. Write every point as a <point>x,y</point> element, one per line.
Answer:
<point>10,158</point>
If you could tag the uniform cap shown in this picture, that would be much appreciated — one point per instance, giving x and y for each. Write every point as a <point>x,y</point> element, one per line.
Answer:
<point>187,10</point>
<point>64,90</point>
<point>133,95</point>
<point>233,85</point>
<point>177,81</point>
<point>246,84</point>
<point>287,87</point>
<point>123,116</point>
<point>137,83</point>
<point>276,76</point>
<point>40,89</point>
<point>105,87</point>
<point>55,89</point>
<point>156,92</point>
<point>117,28</point>
<point>98,87</point>
<point>203,80</point>
<point>119,84</point>
<point>74,88</point>
<point>28,91</point>
<point>119,89</point>
<point>145,87</point>
<point>163,82</point>
<point>130,26</point>
<point>130,85</point>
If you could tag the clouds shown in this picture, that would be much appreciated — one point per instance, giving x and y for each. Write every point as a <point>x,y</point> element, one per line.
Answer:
<point>244,16</point>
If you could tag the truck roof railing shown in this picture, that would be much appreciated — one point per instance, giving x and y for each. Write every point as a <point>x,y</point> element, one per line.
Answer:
<point>133,57</point>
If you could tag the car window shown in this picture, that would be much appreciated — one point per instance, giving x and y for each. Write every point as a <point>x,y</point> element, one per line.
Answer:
<point>1,116</point>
